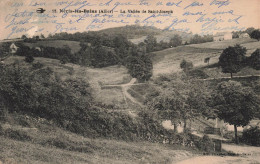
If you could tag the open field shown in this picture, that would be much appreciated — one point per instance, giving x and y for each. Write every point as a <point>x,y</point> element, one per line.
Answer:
<point>168,60</point>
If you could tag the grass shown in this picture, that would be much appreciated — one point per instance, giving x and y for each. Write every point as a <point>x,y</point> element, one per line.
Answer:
<point>168,60</point>
<point>50,144</point>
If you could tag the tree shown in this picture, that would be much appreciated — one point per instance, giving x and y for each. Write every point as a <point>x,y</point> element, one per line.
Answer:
<point>169,105</point>
<point>151,43</point>
<point>140,67</point>
<point>175,41</point>
<point>255,59</point>
<point>24,37</point>
<point>186,66</point>
<point>236,104</point>
<point>255,34</point>
<point>232,58</point>
<point>249,30</point>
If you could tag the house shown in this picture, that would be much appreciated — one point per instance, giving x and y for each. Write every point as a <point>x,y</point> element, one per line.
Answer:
<point>13,48</point>
<point>220,36</point>
<point>244,35</point>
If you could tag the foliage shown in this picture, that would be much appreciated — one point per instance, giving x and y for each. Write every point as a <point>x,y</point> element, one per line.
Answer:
<point>4,48</point>
<point>175,41</point>
<point>236,104</point>
<point>29,59</point>
<point>140,67</point>
<point>252,136</point>
<point>151,43</point>
<point>185,65</point>
<point>68,103</point>
<point>196,39</point>
<point>205,144</point>
<point>37,65</point>
<point>254,59</point>
<point>255,34</point>
<point>191,101</point>
<point>232,58</point>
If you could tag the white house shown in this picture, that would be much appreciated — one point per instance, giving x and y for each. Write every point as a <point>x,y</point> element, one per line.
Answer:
<point>220,36</point>
<point>244,35</point>
<point>13,48</point>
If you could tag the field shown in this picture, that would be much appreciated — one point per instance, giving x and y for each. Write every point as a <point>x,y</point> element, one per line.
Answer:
<point>168,60</point>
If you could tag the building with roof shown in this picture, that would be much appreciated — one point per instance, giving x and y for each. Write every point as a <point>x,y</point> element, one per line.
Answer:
<point>13,48</point>
<point>244,35</point>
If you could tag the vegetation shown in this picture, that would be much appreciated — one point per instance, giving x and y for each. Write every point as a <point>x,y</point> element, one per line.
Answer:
<point>252,136</point>
<point>196,39</point>
<point>236,104</point>
<point>254,59</point>
<point>180,105</point>
<point>175,41</point>
<point>69,104</point>
<point>185,65</point>
<point>255,34</point>
<point>232,59</point>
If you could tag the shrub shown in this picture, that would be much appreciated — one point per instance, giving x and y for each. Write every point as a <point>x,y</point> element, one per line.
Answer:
<point>185,65</point>
<point>29,59</point>
<point>255,59</point>
<point>37,65</point>
<point>17,135</point>
<point>205,144</point>
<point>252,136</point>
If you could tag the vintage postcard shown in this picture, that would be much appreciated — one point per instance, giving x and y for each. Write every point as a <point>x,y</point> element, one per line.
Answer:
<point>130,81</point>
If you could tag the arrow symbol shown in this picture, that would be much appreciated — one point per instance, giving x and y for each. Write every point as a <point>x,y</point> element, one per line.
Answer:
<point>40,10</point>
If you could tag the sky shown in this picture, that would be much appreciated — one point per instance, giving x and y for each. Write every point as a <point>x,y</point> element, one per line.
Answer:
<point>19,17</point>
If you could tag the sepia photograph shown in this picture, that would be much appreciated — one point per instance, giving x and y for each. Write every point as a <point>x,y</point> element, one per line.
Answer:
<point>129,82</point>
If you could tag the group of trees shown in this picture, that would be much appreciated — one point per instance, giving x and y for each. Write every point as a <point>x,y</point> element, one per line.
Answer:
<point>197,39</point>
<point>63,54</point>
<point>233,59</point>
<point>180,105</point>
<point>120,51</point>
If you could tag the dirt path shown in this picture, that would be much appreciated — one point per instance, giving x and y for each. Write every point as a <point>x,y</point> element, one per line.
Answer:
<point>248,154</point>
<point>125,87</point>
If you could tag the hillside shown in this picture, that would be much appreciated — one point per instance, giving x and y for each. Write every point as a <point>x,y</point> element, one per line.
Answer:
<point>168,60</point>
<point>137,34</point>
<point>37,140</point>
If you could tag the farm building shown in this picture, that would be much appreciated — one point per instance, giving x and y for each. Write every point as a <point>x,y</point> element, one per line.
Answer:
<point>220,36</point>
<point>13,48</point>
<point>244,35</point>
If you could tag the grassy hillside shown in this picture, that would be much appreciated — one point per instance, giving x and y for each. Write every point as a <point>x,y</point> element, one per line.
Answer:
<point>168,60</point>
<point>137,34</point>
<point>26,139</point>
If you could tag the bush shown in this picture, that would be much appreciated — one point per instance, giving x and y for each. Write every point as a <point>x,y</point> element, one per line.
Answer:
<point>17,135</point>
<point>205,144</point>
<point>29,59</point>
<point>37,65</point>
<point>252,136</point>
<point>255,60</point>
<point>185,65</point>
